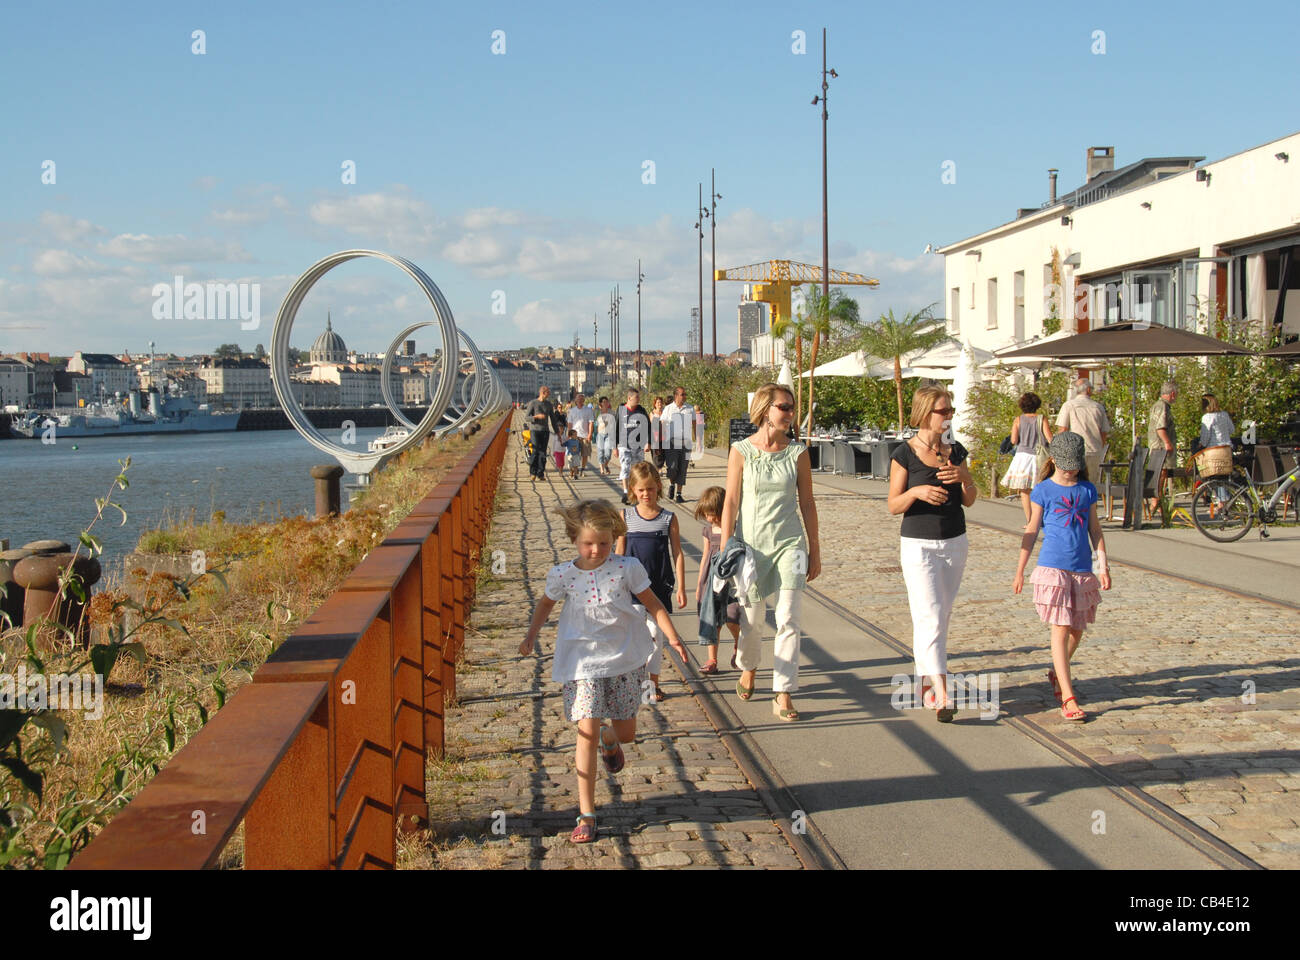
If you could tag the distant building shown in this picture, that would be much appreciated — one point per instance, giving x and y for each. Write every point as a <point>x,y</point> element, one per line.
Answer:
<point>749,323</point>
<point>72,389</point>
<point>108,375</point>
<point>314,393</point>
<point>17,382</point>
<point>329,346</point>
<point>237,383</point>
<point>766,350</point>
<point>520,378</point>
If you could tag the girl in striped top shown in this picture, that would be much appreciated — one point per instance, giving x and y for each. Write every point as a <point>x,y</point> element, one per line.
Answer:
<point>653,538</point>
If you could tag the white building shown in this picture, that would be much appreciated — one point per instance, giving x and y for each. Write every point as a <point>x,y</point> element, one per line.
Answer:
<point>17,382</point>
<point>108,375</point>
<point>766,350</point>
<point>237,383</point>
<point>1167,239</point>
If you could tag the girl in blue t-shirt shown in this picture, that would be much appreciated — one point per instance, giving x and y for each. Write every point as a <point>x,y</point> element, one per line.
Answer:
<point>1066,592</point>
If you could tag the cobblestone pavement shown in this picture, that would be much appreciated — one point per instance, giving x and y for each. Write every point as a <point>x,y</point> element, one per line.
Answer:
<point>1192,691</point>
<point>506,796</point>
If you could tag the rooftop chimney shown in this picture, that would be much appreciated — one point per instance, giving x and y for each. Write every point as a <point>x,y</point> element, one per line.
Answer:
<point>1100,160</point>
<point>1051,183</point>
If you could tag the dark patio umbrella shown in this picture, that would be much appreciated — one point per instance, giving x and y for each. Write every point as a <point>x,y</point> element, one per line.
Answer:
<point>1287,351</point>
<point>1132,340</point>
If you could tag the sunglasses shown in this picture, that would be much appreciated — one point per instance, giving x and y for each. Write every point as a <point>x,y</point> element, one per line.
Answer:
<point>784,407</point>
<point>944,413</point>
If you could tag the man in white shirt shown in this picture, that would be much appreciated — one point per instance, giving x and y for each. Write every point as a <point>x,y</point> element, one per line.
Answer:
<point>1086,417</point>
<point>580,418</point>
<point>678,430</point>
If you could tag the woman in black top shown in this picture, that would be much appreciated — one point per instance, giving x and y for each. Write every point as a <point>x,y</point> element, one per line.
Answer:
<point>930,485</point>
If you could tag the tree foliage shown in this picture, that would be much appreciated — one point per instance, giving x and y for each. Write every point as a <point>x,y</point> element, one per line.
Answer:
<point>889,338</point>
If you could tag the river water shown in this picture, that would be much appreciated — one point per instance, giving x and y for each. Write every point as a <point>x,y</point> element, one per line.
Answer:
<point>48,491</point>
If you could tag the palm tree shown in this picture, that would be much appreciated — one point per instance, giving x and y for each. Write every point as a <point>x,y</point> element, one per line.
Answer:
<point>794,331</point>
<point>837,316</point>
<point>890,338</point>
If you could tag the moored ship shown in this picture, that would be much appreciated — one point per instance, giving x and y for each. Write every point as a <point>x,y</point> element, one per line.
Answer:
<point>171,414</point>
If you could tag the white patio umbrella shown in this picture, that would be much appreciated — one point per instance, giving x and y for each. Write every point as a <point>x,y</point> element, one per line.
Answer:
<point>965,375</point>
<point>784,378</point>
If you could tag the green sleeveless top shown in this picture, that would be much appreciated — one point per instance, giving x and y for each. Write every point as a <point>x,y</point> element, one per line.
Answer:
<point>768,520</point>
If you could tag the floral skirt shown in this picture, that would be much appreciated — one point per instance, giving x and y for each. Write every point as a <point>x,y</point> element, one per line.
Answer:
<point>1066,598</point>
<point>1023,472</point>
<point>605,698</point>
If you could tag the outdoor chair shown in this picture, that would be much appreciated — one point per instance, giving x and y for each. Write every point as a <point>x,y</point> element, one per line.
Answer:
<point>1290,461</point>
<point>1112,488</point>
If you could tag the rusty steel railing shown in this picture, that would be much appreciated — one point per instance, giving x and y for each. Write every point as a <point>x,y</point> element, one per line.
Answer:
<point>322,755</point>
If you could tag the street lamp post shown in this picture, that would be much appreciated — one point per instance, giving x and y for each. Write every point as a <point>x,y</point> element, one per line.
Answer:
<point>699,228</point>
<point>713,256</point>
<point>826,269</point>
<point>639,277</point>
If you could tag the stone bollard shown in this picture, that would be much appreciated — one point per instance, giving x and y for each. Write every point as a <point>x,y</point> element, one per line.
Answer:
<point>328,491</point>
<point>45,548</point>
<point>12,603</point>
<point>38,575</point>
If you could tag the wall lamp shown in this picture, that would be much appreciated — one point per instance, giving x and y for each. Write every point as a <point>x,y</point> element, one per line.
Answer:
<point>1203,176</point>
<point>977,254</point>
<point>1067,221</point>
<point>1146,205</point>
<point>1284,157</point>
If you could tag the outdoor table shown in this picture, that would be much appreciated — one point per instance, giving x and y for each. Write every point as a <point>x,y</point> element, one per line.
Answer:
<point>821,453</point>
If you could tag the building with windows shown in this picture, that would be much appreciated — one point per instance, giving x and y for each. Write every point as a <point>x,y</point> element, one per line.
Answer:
<point>1169,240</point>
<point>749,324</point>
<point>108,375</point>
<point>17,382</point>
<point>237,382</point>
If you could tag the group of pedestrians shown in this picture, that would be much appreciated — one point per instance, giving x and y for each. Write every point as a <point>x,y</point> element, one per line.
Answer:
<point>761,546</point>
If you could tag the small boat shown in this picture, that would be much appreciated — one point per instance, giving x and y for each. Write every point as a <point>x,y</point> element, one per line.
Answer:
<point>391,438</point>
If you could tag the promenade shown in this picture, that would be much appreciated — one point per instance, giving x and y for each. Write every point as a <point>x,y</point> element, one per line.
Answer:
<point>1189,758</point>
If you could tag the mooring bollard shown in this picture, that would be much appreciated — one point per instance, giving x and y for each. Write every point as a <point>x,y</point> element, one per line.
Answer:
<point>329,498</point>
<point>45,548</point>
<point>39,574</point>
<point>12,602</point>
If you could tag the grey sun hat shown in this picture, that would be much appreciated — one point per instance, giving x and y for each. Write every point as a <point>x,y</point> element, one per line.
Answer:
<point>1066,451</point>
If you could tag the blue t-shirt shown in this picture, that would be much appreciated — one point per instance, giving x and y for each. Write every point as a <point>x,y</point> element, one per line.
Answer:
<point>1066,512</point>
<point>574,446</point>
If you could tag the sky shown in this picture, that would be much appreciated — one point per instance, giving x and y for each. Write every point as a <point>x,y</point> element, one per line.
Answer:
<point>526,155</point>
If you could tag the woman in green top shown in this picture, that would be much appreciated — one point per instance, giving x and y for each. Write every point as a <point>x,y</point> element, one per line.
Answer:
<point>769,483</point>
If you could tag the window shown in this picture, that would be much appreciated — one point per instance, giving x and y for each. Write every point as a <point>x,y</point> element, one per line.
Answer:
<point>954,304</point>
<point>1018,306</point>
<point>993,304</point>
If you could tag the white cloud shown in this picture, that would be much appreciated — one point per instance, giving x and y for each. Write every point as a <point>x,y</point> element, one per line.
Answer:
<point>240,217</point>
<point>62,263</point>
<point>544,316</point>
<point>205,183</point>
<point>474,250</point>
<point>144,248</point>
<point>484,217</point>
<point>397,218</point>
<point>65,229</point>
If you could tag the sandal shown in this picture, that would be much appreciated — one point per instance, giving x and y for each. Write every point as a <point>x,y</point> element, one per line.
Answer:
<point>1056,684</point>
<point>614,759</point>
<point>783,714</point>
<point>1076,714</point>
<point>660,696</point>
<point>743,691</point>
<point>733,659</point>
<point>585,831</point>
<point>945,714</point>
<point>710,668</point>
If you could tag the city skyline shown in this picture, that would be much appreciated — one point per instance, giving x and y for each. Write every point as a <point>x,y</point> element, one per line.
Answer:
<point>513,167</point>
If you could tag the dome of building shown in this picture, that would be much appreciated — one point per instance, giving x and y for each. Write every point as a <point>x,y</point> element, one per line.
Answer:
<point>329,346</point>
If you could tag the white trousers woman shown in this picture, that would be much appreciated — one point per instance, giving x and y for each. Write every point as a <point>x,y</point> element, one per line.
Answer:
<point>785,656</point>
<point>932,570</point>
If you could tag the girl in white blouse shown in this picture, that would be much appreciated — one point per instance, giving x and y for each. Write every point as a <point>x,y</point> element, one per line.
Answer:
<point>1216,425</point>
<point>601,645</point>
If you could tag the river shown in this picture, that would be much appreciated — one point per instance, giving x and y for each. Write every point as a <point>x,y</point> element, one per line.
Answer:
<point>48,491</point>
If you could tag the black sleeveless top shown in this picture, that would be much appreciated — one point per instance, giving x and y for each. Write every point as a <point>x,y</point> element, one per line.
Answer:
<point>925,521</point>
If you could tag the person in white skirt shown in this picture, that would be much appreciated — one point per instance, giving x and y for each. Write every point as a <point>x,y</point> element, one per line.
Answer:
<point>930,484</point>
<point>1028,432</point>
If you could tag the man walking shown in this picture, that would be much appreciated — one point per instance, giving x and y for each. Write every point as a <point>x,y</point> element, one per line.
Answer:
<point>1161,433</point>
<point>678,429</point>
<point>633,437</point>
<point>1086,417</point>
<point>580,418</point>
<point>538,415</point>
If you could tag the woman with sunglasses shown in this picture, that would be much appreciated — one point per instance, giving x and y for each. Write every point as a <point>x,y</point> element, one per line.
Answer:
<point>930,485</point>
<point>769,485</point>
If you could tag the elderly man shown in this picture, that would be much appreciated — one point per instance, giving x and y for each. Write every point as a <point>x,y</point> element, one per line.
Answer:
<point>678,439</point>
<point>1086,417</point>
<point>580,418</point>
<point>1161,432</point>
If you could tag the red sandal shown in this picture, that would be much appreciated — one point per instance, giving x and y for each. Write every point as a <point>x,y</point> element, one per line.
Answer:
<point>585,831</point>
<point>614,758</point>
<point>1076,714</point>
<point>1056,684</point>
<point>710,668</point>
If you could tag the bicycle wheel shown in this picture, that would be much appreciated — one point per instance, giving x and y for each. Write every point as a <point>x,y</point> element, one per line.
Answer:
<point>1223,510</point>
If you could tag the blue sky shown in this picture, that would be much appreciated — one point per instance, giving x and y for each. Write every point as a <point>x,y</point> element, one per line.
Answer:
<point>522,172</point>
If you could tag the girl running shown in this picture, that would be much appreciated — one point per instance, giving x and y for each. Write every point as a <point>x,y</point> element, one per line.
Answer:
<point>652,537</point>
<point>1065,588</point>
<point>601,644</point>
<point>709,510</point>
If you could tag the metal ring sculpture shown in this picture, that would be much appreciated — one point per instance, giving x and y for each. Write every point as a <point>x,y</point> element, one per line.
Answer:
<point>471,409</point>
<point>352,460</point>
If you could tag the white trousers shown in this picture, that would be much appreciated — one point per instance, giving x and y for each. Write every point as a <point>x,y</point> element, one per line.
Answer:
<point>660,638</point>
<point>932,570</point>
<point>785,654</point>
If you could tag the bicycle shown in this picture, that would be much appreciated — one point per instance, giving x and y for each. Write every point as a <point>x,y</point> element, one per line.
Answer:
<point>1224,508</point>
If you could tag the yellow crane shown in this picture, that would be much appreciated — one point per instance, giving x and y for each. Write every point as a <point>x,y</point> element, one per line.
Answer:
<point>772,280</point>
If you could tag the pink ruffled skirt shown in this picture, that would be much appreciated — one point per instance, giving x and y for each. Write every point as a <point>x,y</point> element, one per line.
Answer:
<point>1065,597</point>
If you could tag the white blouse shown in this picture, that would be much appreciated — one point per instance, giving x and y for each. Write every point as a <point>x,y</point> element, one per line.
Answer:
<point>1216,429</point>
<point>602,633</point>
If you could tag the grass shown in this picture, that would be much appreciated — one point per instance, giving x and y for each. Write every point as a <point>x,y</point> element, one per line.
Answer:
<point>279,572</point>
